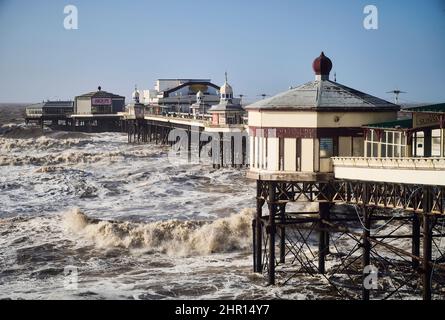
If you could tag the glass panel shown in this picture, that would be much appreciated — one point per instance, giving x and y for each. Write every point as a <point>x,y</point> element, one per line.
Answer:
<point>326,147</point>
<point>435,152</point>
<point>368,149</point>
<point>396,137</point>
<point>396,151</point>
<point>384,147</point>
<point>390,137</point>
<point>375,149</point>
<point>357,147</point>
<point>390,153</point>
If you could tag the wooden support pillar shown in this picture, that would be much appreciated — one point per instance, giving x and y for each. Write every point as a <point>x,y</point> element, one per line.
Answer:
<point>415,245</point>
<point>272,230</point>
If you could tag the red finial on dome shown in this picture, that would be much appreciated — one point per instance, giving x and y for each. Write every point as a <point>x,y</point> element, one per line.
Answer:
<point>322,65</point>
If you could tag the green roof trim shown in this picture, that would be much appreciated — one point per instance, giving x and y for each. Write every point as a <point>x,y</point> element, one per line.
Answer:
<point>433,108</point>
<point>398,124</point>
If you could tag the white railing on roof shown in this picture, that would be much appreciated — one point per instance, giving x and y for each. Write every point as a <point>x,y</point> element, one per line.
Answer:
<point>430,163</point>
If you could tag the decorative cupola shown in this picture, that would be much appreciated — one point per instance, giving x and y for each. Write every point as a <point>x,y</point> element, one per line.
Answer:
<point>229,111</point>
<point>322,66</point>
<point>136,108</point>
<point>135,95</point>
<point>200,107</point>
<point>199,97</point>
<point>226,91</point>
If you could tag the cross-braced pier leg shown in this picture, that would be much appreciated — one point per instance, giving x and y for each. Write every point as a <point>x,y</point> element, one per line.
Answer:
<point>272,231</point>
<point>282,212</point>
<point>258,234</point>
<point>323,239</point>
<point>416,240</point>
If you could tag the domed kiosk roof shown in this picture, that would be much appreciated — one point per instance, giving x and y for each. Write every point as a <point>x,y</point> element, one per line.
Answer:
<point>322,65</point>
<point>323,95</point>
<point>226,89</point>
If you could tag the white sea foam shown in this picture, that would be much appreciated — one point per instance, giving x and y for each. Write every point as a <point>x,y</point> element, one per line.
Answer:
<point>173,237</point>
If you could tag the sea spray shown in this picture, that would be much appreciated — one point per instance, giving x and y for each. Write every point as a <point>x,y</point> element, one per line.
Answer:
<point>71,158</point>
<point>173,237</point>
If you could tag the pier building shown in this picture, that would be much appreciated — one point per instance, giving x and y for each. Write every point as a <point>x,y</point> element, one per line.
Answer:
<point>177,95</point>
<point>229,110</point>
<point>378,182</point>
<point>97,111</point>
<point>48,112</point>
<point>99,103</point>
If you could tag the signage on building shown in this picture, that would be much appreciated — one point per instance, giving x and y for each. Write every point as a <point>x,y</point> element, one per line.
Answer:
<point>425,119</point>
<point>101,101</point>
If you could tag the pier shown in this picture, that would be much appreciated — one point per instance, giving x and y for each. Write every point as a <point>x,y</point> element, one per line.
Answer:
<point>374,183</point>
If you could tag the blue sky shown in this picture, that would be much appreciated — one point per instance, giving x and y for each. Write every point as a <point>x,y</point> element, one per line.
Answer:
<point>266,46</point>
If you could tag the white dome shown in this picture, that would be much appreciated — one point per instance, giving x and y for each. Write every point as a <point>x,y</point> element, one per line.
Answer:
<point>226,89</point>
<point>135,94</point>
<point>200,94</point>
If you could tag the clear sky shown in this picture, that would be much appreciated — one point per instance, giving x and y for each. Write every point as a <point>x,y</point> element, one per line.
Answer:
<point>265,46</point>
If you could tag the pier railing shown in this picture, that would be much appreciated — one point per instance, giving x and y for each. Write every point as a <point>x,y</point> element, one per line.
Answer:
<point>429,171</point>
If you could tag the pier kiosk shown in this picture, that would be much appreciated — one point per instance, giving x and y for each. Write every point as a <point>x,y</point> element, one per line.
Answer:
<point>53,113</point>
<point>228,129</point>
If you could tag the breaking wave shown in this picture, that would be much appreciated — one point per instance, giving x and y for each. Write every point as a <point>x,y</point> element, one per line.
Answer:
<point>70,157</point>
<point>173,237</point>
<point>22,131</point>
<point>41,143</point>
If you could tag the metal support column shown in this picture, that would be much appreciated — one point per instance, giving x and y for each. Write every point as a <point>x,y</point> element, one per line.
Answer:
<point>415,250</point>
<point>259,230</point>
<point>272,230</point>
<point>366,259</point>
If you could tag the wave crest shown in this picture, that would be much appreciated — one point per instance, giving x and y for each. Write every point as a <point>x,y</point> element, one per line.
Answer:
<point>173,237</point>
